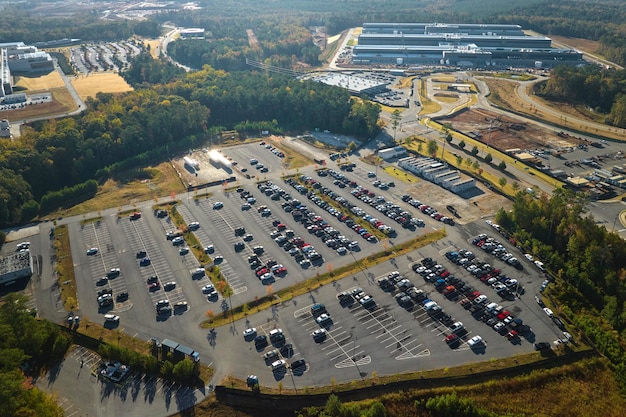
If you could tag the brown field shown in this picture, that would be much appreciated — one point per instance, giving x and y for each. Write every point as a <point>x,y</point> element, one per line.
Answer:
<point>504,94</point>
<point>584,45</point>
<point>154,46</point>
<point>41,83</point>
<point>121,191</point>
<point>106,82</point>
<point>62,102</point>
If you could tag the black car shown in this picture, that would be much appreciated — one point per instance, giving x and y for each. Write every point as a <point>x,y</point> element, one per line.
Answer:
<point>141,254</point>
<point>300,363</point>
<point>260,341</point>
<point>153,279</point>
<point>240,231</point>
<point>542,346</point>
<point>105,291</point>
<point>123,296</point>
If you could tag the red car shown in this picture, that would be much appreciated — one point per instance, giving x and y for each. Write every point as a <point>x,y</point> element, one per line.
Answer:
<point>504,314</point>
<point>261,272</point>
<point>135,215</point>
<point>281,226</point>
<point>452,339</point>
<point>154,286</point>
<point>280,271</point>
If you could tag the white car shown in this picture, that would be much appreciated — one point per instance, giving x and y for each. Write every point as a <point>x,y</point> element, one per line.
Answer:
<point>207,289</point>
<point>218,205</point>
<point>456,327</point>
<point>322,318</point>
<point>249,332</point>
<point>474,341</point>
<point>319,335</point>
<point>92,251</point>
<point>341,250</point>
<point>281,363</point>
<point>111,318</point>
<point>276,267</point>
<point>548,311</point>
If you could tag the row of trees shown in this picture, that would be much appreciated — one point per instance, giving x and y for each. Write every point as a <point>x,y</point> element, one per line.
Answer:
<point>124,131</point>
<point>600,89</point>
<point>589,263</point>
<point>26,342</point>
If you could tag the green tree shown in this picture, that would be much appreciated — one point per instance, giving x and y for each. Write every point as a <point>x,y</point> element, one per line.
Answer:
<point>488,158</point>
<point>184,370</point>
<point>395,121</point>
<point>167,368</point>
<point>462,144</point>
<point>502,181</point>
<point>352,146</point>
<point>502,166</point>
<point>459,160</point>
<point>474,151</point>
<point>432,147</point>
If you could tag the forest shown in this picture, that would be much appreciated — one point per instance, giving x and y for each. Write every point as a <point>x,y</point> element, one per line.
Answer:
<point>51,166</point>
<point>25,340</point>
<point>588,261</point>
<point>18,23</point>
<point>602,90</point>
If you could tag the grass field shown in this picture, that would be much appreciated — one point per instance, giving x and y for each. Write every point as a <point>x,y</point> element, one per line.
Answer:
<point>62,102</point>
<point>154,46</point>
<point>105,82</point>
<point>121,191</point>
<point>40,83</point>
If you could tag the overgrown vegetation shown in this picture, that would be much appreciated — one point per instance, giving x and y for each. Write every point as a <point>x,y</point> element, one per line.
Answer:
<point>588,262</point>
<point>26,343</point>
<point>600,89</point>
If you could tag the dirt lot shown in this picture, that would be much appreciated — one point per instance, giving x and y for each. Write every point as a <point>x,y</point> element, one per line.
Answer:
<point>504,133</point>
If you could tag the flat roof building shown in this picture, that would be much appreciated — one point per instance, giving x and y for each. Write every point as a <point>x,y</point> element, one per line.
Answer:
<point>16,266</point>
<point>457,45</point>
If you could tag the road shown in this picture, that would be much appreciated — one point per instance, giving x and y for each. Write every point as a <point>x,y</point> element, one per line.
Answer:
<point>162,49</point>
<point>16,130</point>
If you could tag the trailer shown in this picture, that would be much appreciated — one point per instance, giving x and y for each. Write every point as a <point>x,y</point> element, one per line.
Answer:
<point>191,163</point>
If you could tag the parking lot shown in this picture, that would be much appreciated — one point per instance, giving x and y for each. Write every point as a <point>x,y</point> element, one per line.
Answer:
<point>270,234</point>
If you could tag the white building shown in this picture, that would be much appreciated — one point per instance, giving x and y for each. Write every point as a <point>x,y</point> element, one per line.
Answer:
<point>22,58</point>
<point>391,153</point>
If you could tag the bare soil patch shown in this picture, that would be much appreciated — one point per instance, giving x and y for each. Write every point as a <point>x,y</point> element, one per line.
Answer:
<point>584,45</point>
<point>504,133</point>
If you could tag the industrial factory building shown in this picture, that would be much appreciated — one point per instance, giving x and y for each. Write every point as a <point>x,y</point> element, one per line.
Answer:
<point>16,266</point>
<point>18,58</point>
<point>458,45</point>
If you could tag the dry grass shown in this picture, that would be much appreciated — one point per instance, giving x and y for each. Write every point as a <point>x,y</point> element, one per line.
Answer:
<point>66,280</point>
<point>62,102</point>
<point>41,83</point>
<point>292,159</point>
<point>404,83</point>
<point>154,46</point>
<point>584,45</point>
<point>116,192</point>
<point>401,175</point>
<point>504,94</point>
<point>104,82</point>
<point>428,106</point>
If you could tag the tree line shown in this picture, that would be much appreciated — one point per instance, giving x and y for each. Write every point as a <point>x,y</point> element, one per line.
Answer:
<point>588,262</point>
<point>26,343</point>
<point>19,23</point>
<point>55,164</point>
<point>603,90</point>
